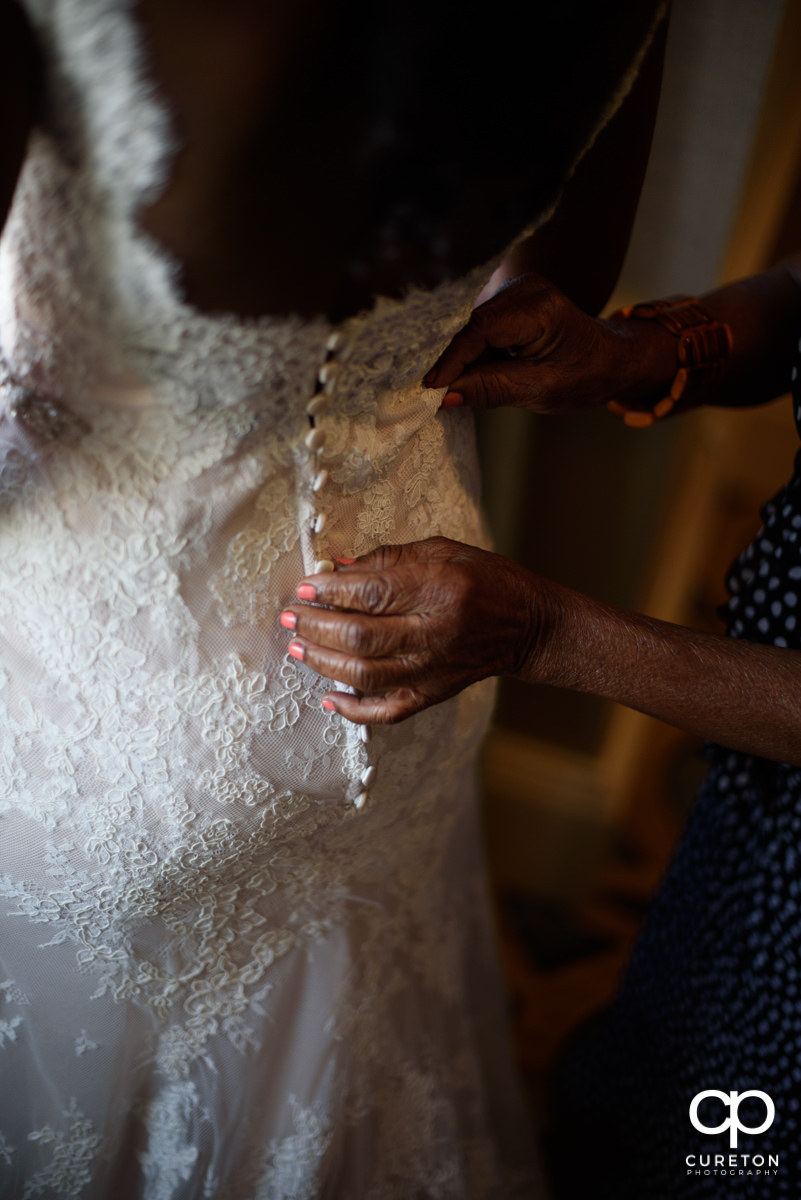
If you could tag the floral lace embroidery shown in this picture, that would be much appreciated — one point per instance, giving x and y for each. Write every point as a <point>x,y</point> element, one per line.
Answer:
<point>72,1156</point>
<point>83,1043</point>
<point>171,1155</point>
<point>290,1169</point>
<point>8,1030</point>
<point>11,994</point>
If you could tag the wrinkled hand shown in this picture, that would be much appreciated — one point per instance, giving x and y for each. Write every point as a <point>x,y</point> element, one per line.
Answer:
<point>410,626</point>
<point>530,347</point>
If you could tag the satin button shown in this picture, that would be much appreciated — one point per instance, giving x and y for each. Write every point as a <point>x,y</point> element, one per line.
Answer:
<point>327,376</point>
<point>317,404</point>
<point>368,775</point>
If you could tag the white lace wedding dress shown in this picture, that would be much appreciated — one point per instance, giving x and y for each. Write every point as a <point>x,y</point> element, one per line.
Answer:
<point>244,949</point>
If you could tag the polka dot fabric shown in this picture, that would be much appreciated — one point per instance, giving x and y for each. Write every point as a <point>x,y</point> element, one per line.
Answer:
<point>712,996</point>
<point>764,583</point>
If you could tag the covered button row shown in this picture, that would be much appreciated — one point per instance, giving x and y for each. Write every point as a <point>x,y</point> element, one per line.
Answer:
<point>315,438</point>
<point>367,777</point>
<point>315,441</point>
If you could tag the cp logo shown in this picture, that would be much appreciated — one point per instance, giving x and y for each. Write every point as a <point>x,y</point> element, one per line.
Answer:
<point>733,1100</point>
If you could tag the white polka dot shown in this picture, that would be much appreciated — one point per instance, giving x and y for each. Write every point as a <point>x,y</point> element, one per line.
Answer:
<point>776,608</point>
<point>779,641</point>
<point>750,611</point>
<point>794,374</point>
<point>790,599</point>
<point>794,572</point>
<point>763,624</point>
<point>759,596</point>
<point>790,623</point>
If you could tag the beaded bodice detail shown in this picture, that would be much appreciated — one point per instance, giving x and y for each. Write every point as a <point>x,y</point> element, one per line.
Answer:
<point>244,905</point>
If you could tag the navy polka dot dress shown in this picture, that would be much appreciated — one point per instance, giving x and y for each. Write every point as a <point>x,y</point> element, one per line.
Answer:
<point>712,996</point>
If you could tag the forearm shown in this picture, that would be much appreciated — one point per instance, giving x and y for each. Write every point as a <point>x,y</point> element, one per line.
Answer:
<point>741,694</point>
<point>409,626</point>
<point>764,316</point>
<point>530,347</point>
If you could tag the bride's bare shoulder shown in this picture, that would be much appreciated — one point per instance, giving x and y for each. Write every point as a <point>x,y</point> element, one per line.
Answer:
<point>20,85</point>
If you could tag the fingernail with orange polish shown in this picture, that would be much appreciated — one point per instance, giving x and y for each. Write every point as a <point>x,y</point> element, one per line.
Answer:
<point>306,591</point>
<point>452,400</point>
<point>345,562</point>
<point>288,620</point>
<point>329,706</point>
<point>428,381</point>
<point>295,650</point>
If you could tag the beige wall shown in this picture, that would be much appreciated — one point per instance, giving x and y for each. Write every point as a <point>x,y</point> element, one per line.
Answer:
<point>718,57</point>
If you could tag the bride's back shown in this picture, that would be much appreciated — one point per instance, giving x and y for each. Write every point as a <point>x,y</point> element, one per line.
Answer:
<point>328,152</point>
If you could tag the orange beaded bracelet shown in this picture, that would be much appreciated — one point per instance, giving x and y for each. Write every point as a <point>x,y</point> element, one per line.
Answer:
<point>703,346</point>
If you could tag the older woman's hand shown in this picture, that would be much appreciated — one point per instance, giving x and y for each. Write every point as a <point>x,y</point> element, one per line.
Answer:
<point>409,626</point>
<point>530,347</point>
<point>412,625</point>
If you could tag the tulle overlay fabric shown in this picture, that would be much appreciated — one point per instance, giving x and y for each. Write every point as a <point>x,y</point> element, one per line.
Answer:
<point>218,976</point>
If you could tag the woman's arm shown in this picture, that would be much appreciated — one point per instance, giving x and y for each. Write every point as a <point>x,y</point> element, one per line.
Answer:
<point>565,360</point>
<point>20,88</point>
<point>742,694</point>
<point>418,623</point>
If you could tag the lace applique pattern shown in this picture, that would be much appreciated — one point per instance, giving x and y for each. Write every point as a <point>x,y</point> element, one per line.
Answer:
<point>72,1156</point>
<point>171,1154</point>
<point>290,1169</point>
